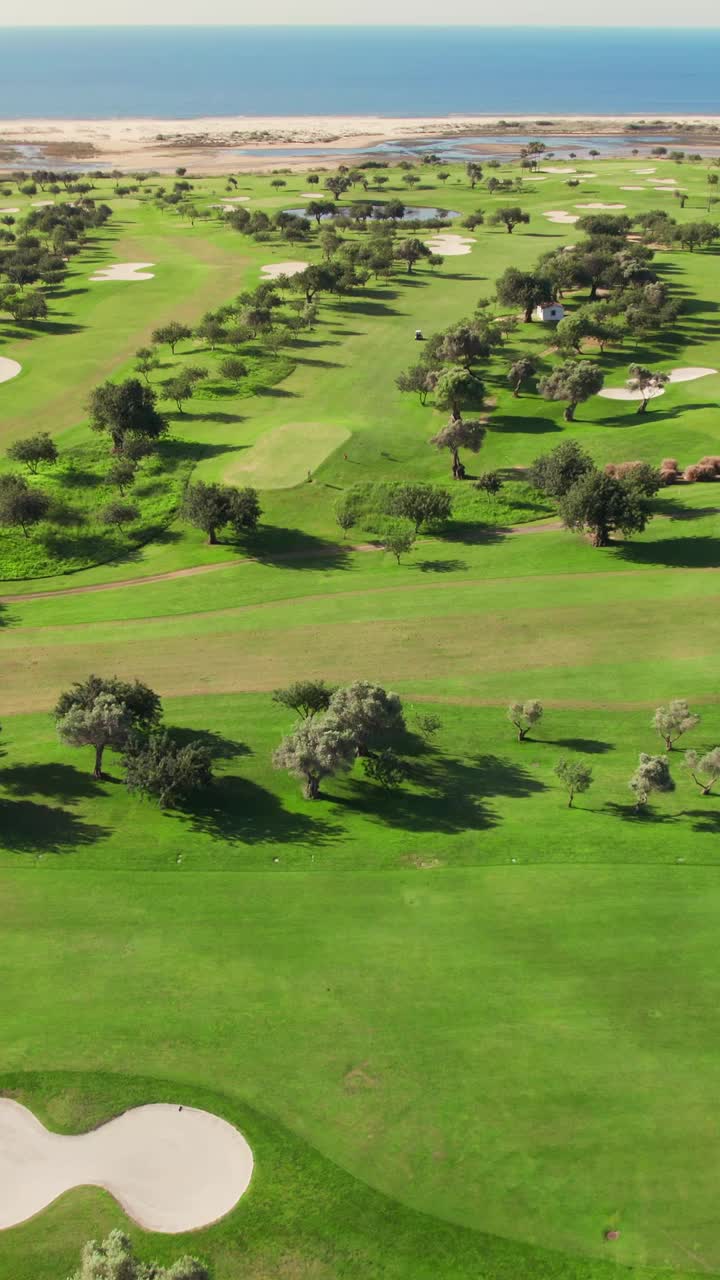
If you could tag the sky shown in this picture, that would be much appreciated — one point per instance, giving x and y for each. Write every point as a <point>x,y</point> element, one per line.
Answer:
<point>371,12</point>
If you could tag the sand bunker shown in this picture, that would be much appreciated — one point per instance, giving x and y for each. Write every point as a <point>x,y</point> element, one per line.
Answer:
<point>535,177</point>
<point>14,209</point>
<point>666,182</point>
<point>687,373</point>
<point>452,246</point>
<point>643,170</point>
<point>632,188</point>
<point>282,458</point>
<point>171,1168</point>
<point>561,215</point>
<point>597,204</point>
<point>42,204</point>
<point>272,270</point>
<point>8,369</point>
<point>125,271</point>
<point>235,199</point>
<point>550,169</point>
<point>587,175</point>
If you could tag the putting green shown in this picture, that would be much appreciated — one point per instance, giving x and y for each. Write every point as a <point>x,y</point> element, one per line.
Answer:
<point>282,458</point>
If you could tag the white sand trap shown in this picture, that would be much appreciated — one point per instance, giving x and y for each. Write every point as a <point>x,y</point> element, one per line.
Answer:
<point>172,1169</point>
<point>274,269</point>
<point>550,169</point>
<point>666,182</point>
<point>632,188</point>
<point>561,215</point>
<point>534,177</point>
<point>450,245</point>
<point>235,199</point>
<point>687,373</point>
<point>42,204</point>
<point>597,204</point>
<point>587,175</point>
<point>8,369</point>
<point>13,210</point>
<point>125,271</point>
<point>643,170</point>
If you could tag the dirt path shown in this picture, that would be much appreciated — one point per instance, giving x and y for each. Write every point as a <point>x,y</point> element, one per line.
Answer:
<point>195,570</point>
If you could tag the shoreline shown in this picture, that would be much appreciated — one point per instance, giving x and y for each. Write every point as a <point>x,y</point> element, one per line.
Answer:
<point>212,141</point>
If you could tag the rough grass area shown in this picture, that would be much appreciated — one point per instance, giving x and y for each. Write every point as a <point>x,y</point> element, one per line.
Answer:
<point>78,537</point>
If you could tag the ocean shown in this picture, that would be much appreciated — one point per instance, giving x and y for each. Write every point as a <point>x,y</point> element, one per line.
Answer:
<point>184,72</point>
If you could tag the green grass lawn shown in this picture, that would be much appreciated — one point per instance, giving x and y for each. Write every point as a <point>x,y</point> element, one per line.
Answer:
<point>465,1030</point>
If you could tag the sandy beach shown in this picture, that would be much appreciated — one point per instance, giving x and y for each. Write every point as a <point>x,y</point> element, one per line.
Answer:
<point>209,142</point>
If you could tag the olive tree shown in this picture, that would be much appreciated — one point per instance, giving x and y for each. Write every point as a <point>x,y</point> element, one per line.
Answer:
<point>647,381</point>
<point>319,747</point>
<point>574,381</point>
<point>672,721</point>
<point>114,1259</point>
<point>171,334</point>
<point>398,537</point>
<point>526,289</point>
<point>703,769</point>
<point>419,503</point>
<point>651,775</point>
<point>125,409</point>
<point>525,715</point>
<point>212,506</point>
<point>370,715</point>
<point>457,434</point>
<point>20,505</point>
<point>521,372</point>
<point>509,217</point>
<point>575,776</point>
<point>102,712</point>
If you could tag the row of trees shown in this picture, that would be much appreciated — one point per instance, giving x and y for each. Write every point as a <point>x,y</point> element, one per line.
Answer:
<point>38,252</point>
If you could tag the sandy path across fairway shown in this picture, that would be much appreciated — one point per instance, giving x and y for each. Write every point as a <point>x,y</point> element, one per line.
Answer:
<point>171,1168</point>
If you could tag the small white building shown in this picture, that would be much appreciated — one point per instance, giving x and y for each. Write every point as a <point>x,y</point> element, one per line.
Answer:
<point>549,312</point>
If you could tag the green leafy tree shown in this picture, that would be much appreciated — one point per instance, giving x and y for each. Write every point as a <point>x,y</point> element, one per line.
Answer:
<point>171,334</point>
<point>114,1259</point>
<point>457,434</point>
<point>211,507</point>
<point>211,331</point>
<point>398,537</point>
<point>34,452</point>
<point>165,771</point>
<point>146,362</point>
<point>125,409</point>
<point>525,715</point>
<point>526,289</point>
<point>489,482</point>
<point>474,173</point>
<point>420,504</point>
<point>233,369</point>
<point>419,378</point>
<point>510,217</point>
<point>601,505</point>
<point>386,768</point>
<point>244,509</point>
<point>704,769</point>
<point>672,721</point>
<point>305,697</point>
<point>346,513</point>
<point>457,389</point>
<point>20,506</point>
<point>652,775</point>
<point>574,381</point>
<point>119,514</point>
<point>317,748</point>
<point>122,474</point>
<point>556,472</point>
<point>575,776</point>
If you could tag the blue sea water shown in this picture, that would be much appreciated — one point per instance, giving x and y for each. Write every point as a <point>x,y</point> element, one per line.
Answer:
<point>93,72</point>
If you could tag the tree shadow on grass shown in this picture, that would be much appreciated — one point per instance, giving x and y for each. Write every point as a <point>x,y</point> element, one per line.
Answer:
<point>60,781</point>
<point>28,827</point>
<point>235,809</point>
<point>220,747</point>
<point>295,549</point>
<point>440,566</point>
<point>706,822</point>
<point>452,797</point>
<point>472,532</point>
<point>591,746</point>
<point>629,813</point>
<point>677,553</point>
